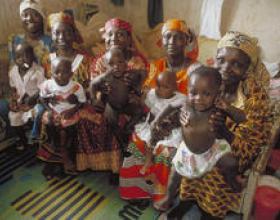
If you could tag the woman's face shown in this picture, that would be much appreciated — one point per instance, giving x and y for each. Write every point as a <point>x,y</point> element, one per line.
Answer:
<point>32,21</point>
<point>62,35</point>
<point>174,42</point>
<point>117,37</point>
<point>233,64</point>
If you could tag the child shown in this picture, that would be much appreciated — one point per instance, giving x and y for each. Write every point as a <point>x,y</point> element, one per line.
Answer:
<point>116,87</point>
<point>62,98</point>
<point>157,100</point>
<point>25,77</point>
<point>201,148</point>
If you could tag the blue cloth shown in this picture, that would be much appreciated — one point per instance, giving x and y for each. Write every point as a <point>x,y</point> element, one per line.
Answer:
<point>39,109</point>
<point>43,47</point>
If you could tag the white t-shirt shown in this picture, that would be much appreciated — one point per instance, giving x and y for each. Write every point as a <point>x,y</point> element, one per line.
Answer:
<point>29,83</point>
<point>156,105</point>
<point>51,89</point>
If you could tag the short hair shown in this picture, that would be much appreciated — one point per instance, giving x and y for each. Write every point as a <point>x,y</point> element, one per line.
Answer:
<point>59,59</point>
<point>171,76</point>
<point>114,49</point>
<point>26,46</point>
<point>210,72</point>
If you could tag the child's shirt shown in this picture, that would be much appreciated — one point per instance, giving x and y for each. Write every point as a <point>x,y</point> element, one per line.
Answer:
<point>156,105</point>
<point>29,83</point>
<point>51,89</point>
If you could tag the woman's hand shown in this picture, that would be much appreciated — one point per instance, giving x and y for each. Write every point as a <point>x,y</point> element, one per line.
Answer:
<point>217,122</point>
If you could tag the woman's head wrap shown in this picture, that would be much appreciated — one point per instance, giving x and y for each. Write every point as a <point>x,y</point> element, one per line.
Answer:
<point>249,45</point>
<point>124,25</point>
<point>65,17</point>
<point>180,25</point>
<point>33,4</point>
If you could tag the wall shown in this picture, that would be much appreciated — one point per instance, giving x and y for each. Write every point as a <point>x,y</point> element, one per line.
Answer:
<point>262,21</point>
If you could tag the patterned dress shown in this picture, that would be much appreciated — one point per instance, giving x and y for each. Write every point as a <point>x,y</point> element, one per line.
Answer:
<point>211,191</point>
<point>98,149</point>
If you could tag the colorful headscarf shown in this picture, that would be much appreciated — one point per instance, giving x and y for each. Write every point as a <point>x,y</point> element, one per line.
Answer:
<point>248,45</point>
<point>117,22</point>
<point>33,4</point>
<point>66,18</point>
<point>124,25</point>
<point>180,25</point>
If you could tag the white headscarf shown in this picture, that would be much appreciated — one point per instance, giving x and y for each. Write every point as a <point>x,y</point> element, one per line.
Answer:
<point>33,4</point>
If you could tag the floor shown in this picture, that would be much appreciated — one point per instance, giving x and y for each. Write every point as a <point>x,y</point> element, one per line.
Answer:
<point>25,194</point>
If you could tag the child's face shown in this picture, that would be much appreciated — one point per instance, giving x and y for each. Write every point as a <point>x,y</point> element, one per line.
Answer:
<point>164,88</point>
<point>202,92</point>
<point>117,63</point>
<point>24,57</point>
<point>61,72</point>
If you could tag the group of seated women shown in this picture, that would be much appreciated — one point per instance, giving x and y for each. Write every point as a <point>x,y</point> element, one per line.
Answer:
<point>141,121</point>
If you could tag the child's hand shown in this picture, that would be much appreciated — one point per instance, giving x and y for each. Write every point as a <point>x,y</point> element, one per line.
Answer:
<point>69,113</point>
<point>184,118</point>
<point>106,89</point>
<point>145,167</point>
<point>72,99</point>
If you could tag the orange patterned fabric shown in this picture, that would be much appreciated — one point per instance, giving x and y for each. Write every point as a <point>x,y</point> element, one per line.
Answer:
<point>211,191</point>
<point>160,66</point>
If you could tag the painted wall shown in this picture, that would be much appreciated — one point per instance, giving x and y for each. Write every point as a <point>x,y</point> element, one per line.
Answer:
<point>259,18</point>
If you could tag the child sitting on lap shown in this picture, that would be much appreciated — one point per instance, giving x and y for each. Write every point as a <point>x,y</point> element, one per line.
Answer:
<point>201,148</point>
<point>62,98</point>
<point>25,78</point>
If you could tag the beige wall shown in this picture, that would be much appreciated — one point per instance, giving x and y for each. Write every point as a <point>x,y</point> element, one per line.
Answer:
<point>259,18</point>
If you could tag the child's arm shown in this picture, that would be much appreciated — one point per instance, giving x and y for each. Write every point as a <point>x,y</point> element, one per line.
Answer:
<point>96,85</point>
<point>148,159</point>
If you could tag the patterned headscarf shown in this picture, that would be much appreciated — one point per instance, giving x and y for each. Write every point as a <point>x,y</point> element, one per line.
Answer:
<point>124,25</point>
<point>249,46</point>
<point>180,25</point>
<point>66,18</point>
<point>33,4</point>
<point>119,23</point>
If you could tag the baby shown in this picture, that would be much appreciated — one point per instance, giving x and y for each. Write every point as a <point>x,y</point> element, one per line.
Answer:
<point>62,97</point>
<point>201,148</point>
<point>156,101</point>
<point>114,89</point>
<point>25,78</point>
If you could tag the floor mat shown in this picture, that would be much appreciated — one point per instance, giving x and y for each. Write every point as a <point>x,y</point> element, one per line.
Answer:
<point>25,194</point>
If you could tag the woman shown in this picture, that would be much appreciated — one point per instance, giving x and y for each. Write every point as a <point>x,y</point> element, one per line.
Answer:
<point>66,38</point>
<point>176,37</point>
<point>98,150</point>
<point>181,49</point>
<point>32,18</point>
<point>117,32</point>
<point>245,79</point>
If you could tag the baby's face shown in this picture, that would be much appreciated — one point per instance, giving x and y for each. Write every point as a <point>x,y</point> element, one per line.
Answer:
<point>62,73</point>
<point>202,93</point>
<point>23,57</point>
<point>116,63</point>
<point>165,89</point>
